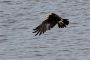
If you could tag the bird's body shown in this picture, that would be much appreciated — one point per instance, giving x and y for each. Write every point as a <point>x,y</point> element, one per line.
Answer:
<point>49,23</point>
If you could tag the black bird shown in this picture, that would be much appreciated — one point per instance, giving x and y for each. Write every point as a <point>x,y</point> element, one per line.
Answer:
<point>49,23</point>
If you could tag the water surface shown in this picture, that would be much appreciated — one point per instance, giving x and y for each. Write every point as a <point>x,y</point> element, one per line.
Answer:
<point>19,17</point>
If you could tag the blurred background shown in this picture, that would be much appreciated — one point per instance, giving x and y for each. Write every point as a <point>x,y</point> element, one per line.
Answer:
<point>18,18</point>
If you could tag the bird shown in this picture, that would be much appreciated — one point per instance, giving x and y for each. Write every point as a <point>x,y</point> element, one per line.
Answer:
<point>52,20</point>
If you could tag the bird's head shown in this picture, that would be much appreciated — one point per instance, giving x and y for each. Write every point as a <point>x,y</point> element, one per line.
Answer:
<point>63,21</point>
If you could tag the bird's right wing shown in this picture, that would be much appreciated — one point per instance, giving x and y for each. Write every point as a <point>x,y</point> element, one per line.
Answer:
<point>43,27</point>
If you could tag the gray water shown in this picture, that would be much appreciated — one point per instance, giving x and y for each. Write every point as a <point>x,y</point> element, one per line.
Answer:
<point>19,17</point>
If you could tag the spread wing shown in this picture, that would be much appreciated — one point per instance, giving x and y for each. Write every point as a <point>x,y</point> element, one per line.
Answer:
<point>43,27</point>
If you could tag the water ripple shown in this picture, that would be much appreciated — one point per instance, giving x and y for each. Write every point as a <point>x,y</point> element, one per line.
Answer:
<point>19,17</point>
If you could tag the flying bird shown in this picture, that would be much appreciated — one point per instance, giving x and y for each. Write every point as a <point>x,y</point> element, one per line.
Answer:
<point>49,23</point>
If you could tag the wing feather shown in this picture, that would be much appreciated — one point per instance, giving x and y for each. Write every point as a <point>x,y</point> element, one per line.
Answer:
<point>43,27</point>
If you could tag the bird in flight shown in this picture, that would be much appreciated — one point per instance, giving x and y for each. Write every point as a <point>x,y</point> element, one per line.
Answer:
<point>49,23</point>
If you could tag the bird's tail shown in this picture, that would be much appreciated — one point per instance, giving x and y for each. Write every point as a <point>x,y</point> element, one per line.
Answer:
<point>63,23</point>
